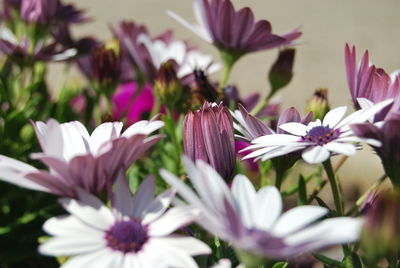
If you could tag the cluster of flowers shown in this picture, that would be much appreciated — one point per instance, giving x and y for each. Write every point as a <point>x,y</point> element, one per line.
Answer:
<point>182,139</point>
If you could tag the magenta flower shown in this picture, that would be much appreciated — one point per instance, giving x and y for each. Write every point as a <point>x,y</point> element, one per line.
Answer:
<point>388,133</point>
<point>370,83</point>
<point>128,102</point>
<point>233,31</point>
<point>208,135</point>
<point>77,159</point>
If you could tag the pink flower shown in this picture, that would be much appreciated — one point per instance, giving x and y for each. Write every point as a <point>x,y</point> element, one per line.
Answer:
<point>127,101</point>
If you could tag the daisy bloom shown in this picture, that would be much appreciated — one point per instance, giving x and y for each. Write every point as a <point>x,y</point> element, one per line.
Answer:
<point>318,139</point>
<point>371,83</point>
<point>233,30</point>
<point>77,159</point>
<point>135,232</point>
<point>253,221</point>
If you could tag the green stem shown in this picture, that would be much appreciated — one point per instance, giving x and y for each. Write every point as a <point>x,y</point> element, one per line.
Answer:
<point>174,139</point>
<point>279,178</point>
<point>261,104</point>
<point>225,74</point>
<point>335,189</point>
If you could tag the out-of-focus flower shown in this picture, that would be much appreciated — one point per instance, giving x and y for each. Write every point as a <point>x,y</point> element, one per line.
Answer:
<point>253,221</point>
<point>167,86</point>
<point>38,11</point>
<point>388,134</point>
<point>231,31</point>
<point>131,103</point>
<point>318,104</point>
<point>147,53</point>
<point>77,159</point>
<point>106,64</point>
<point>135,232</point>
<point>318,139</point>
<point>281,72</point>
<point>20,50</point>
<point>208,135</point>
<point>371,84</point>
<point>381,234</point>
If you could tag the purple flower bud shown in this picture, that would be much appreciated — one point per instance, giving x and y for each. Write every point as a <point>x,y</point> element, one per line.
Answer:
<point>106,65</point>
<point>282,70</point>
<point>167,86</point>
<point>208,135</point>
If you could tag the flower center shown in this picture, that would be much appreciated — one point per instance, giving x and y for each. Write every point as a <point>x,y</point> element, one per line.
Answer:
<point>321,135</point>
<point>127,236</point>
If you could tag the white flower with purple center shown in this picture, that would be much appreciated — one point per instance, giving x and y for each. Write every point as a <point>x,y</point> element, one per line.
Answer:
<point>136,232</point>
<point>317,140</point>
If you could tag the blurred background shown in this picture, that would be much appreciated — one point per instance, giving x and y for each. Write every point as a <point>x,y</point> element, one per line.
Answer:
<point>326,26</point>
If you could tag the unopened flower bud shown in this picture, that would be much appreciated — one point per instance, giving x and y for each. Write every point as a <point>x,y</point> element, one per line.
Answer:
<point>208,136</point>
<point>106,64</point>
<point>282,70</point>
<point>318,104</point>
<point>381,235</point>
<point>167,86</point>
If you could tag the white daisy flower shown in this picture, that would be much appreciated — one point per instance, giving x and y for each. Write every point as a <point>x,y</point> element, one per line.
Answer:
<point>136,232</point>
<point>318,139</point>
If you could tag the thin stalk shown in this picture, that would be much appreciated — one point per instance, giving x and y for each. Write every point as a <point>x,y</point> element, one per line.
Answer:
<point>260,106</point>
<point>174,139</point>
<point>279,178</point>
<point>334,186</point>
<point>225,74</point>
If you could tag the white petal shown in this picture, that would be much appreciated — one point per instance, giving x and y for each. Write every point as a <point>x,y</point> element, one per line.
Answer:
<point>69,226</point>
<point>90,210</point>
<point>297,218</point>
<point>283,150</point>
<point>315,155</point>
<point>157,207</point>
<point>143,127</point>
<point>244,195</point>
<point>189,245</point>
<point>267,207</point>
<point>333,117</point>
<point>197,29</point>
<point>72,245</point>
<point>173,219</point>
<point>365,103</point>
<point>14,171</point>
<point>103,133</point>
<point>104,258</point>
<point>329,232</point>
<point>275,139</point>
<point>294,128</point>
<point>341,148</point>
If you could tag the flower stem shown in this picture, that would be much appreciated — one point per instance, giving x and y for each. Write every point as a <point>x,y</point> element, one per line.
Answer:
<point>261,105</point>
<point>225,74</point>
<point>279,178</point>
<point>335,189</point>
<point>228,59</point>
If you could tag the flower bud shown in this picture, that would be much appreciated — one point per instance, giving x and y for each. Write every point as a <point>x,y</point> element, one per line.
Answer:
<point>106,64</point>
<point>167,86</point>
<point>318,104</point>
<point>381,234</point>
<point>208,135</point>
<point>282,70</point>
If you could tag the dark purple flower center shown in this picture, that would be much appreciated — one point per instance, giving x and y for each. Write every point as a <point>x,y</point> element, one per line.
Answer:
<point>321,135</point>
<point>127,236</point>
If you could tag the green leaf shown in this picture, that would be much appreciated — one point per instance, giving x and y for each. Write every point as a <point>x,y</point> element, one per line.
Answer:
<point>329,261</point>
<point>280,265</point>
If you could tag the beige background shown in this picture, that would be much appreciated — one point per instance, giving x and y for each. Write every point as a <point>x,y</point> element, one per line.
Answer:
<point>327,25</point>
